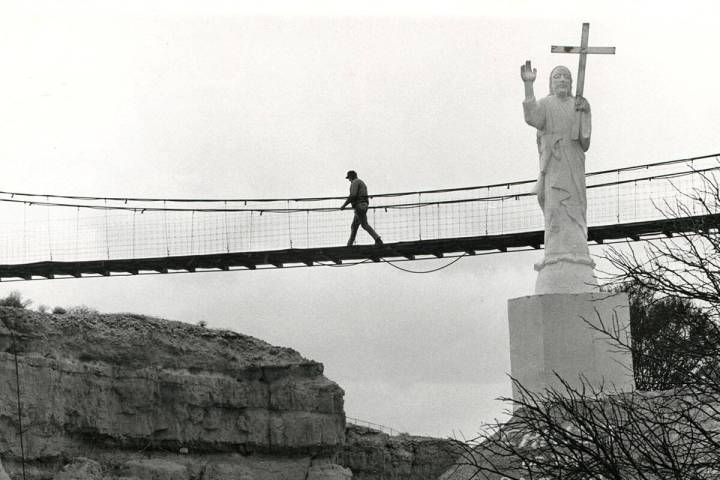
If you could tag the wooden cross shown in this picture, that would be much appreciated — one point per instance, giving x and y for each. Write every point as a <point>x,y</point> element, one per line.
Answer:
<point>583,50</point>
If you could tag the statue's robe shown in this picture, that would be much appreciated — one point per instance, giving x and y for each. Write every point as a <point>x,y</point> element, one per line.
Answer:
<point>561,183</point>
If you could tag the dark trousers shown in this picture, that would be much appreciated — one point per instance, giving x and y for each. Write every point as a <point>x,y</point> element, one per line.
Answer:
<point>360,220</point>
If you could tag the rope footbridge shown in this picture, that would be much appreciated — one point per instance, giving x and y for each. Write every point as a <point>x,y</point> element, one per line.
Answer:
<point>48,236</point>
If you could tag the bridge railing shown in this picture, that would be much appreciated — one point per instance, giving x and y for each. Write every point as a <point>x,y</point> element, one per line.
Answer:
<point>48,227</point>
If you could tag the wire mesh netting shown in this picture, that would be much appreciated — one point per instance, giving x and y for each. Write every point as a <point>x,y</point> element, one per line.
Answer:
<point>61,228</point>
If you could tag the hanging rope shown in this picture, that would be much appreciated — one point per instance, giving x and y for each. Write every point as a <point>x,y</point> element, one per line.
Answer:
<point>426,271</point>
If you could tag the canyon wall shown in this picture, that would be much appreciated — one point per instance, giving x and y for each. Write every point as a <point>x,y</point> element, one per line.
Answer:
<point>127,390</point>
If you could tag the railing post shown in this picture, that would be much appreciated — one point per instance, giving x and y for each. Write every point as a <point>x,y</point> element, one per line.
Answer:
<point>694,190</point>
<point>77,231</point>
<point>49,230</point>
<point>192,232</point>
<point>487,207</point>
<point>133,233</point>
<point>617,206</point>
<point>167,242</point>
<point>635,219</point>
<point>502,215</point>
<point>307,228</point>
<point>250,236</point>
<point>289,224</point>
<point>419,219</point>
<point>107,233</point>
<point>25,231</point>
<point>227,235</point>
<point>437,221</point>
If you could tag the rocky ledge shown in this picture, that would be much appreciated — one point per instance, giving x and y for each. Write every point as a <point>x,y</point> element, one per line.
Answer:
<point>374,455</point>
<point>128,396</point>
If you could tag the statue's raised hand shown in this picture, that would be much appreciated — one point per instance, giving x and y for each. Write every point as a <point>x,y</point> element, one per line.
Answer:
<point>527,73</point>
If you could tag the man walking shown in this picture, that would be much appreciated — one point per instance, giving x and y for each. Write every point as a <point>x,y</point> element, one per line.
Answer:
<point>359,199</point>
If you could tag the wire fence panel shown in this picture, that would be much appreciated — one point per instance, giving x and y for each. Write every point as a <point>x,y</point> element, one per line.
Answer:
<point>46,227</point>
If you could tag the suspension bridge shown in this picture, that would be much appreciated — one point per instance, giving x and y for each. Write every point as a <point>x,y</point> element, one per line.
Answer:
<point>47,236</point>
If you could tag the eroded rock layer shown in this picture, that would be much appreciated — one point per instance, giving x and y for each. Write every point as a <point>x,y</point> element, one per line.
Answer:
<point>129,383</point>
<point>373,455</point>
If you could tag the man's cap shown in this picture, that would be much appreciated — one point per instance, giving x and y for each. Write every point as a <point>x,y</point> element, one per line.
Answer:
<point>351,174</point>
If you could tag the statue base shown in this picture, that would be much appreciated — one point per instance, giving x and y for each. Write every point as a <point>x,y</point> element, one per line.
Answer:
<point>558,334</point>
<point>549,334</point>
<point>566,274</point>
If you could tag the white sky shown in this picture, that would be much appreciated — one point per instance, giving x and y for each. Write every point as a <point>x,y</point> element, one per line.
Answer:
<point>279,99</point>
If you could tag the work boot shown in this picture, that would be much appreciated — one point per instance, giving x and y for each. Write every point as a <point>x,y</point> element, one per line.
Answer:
<point>379,242</point>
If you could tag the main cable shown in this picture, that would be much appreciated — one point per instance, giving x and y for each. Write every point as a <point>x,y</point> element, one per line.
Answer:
<point>310,199</point>
<point>419,204</point>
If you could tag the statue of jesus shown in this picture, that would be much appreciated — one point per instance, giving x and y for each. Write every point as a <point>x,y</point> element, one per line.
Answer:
<point>563,136</point>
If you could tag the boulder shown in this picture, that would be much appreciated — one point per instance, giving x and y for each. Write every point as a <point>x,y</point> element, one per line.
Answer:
<point>222,471</point>
<point>258,468</point>
<point>329,471</point>
<point>3,473</point>
<point>156,469</point>
<point>80,469</point>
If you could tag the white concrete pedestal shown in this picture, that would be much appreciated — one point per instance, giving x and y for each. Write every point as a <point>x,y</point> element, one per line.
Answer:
<point>550,333</point>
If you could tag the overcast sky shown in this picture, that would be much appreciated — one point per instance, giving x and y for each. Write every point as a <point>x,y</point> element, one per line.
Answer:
<point>225,99</point>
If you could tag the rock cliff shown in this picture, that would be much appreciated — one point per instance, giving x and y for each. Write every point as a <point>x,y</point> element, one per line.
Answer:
<point>373,455</point>
<point>128,396</point>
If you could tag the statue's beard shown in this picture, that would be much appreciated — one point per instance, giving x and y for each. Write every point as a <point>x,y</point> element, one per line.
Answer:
<point>562,91</point>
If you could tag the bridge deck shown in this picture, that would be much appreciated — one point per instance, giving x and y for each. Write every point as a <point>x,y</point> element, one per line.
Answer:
<point>337,255</point>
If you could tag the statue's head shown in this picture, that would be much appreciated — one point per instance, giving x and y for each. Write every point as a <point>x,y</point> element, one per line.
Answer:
<point>561,81</point>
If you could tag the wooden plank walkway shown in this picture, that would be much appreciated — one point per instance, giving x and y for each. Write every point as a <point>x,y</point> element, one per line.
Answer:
<point>338,255</point>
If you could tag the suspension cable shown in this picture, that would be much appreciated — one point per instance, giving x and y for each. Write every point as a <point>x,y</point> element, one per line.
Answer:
<point>310,199</point>
<point>496,198</point>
